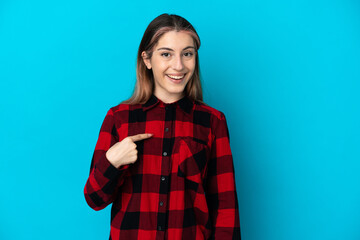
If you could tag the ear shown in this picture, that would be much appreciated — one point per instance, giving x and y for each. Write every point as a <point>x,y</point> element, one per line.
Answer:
<point>146,59</point>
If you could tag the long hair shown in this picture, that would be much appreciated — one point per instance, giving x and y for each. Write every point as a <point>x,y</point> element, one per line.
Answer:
<point>162,24</point>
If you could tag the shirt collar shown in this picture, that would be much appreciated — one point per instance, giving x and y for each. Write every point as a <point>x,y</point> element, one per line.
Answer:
<point>185,103</point>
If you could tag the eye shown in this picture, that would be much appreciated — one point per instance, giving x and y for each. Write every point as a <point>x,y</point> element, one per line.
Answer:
<point>188,54</point>
<point>165,54</point>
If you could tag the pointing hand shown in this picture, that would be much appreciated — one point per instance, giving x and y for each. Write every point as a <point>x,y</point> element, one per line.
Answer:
<point>124,152</point>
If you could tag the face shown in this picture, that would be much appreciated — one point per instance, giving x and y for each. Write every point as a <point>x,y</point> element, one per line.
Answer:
<point>172,64</point>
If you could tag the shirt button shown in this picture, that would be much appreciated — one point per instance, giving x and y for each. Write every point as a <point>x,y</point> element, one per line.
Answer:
<point>159,228</point>
<point>161,204</point>
<point>166,129</point>
<point>162,178</point>
<point>165,153</point>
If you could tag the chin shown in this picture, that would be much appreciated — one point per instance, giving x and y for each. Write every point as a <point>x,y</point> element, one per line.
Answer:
<point>176,90</point>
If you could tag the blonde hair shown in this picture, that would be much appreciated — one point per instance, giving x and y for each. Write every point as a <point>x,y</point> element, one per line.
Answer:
<point>144,86</point>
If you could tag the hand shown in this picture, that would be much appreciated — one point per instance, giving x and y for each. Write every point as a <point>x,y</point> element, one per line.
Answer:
<point>124,152</point>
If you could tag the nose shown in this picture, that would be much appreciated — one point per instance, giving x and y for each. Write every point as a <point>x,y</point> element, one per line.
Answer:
<point>177,63</point>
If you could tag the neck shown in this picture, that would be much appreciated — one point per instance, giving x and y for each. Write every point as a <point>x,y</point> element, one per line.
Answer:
<point>169,99</point>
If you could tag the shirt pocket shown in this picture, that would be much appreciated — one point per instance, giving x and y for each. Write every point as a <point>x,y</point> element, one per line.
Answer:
<point>192,159</point>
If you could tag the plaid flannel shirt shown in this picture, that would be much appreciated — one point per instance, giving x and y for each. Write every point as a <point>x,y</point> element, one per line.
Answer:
<point>182,185</point>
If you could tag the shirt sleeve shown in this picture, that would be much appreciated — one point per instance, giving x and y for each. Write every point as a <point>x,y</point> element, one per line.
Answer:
<point>104,179</point>
<point>220,189</point>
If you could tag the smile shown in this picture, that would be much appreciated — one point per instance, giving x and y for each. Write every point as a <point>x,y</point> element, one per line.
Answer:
<point>176,77</point>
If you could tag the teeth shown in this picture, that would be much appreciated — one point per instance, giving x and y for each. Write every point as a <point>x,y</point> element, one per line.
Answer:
<point>176,77</point>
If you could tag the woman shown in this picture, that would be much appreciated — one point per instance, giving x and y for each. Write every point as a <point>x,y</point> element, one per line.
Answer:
<point>163,157</point>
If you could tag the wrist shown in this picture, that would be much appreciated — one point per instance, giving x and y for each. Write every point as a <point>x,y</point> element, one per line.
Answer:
<point>111,160</point>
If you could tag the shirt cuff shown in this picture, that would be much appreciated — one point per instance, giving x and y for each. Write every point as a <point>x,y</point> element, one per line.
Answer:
<point>108,170</point>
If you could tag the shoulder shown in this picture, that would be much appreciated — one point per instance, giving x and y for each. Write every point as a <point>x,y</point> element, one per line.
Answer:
<point>215,119</point>
<point>206,109</point>
<point>120,113</point>
<point>207,116</point>
<point>123,108</point>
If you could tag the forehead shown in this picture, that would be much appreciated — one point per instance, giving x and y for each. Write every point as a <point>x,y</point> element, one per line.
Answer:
<point>176,40</point>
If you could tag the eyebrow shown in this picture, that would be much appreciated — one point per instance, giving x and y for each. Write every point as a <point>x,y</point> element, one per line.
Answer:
<point>169,49</point>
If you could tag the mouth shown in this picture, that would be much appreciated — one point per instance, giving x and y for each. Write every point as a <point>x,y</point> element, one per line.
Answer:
<point>176,78</point>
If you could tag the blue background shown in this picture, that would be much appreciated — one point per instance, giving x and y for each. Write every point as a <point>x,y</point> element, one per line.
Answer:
<point>285,73</point>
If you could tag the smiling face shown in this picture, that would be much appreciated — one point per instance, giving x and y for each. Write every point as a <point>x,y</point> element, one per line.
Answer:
<point>173,64</point>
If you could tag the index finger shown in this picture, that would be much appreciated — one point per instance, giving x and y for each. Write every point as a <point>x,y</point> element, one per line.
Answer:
<point>141,136</point>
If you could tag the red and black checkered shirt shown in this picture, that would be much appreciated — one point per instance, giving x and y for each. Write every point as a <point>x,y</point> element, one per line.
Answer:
<point>182,185</point>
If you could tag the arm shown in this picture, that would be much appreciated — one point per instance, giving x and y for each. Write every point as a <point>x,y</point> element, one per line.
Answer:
<point>104,178</point>
<point>220,187</point>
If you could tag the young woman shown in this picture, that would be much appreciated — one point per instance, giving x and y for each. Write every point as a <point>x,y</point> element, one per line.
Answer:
<point>163,157</point>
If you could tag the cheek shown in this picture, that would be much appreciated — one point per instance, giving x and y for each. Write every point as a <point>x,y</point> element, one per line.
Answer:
<point>159,68</point>
<point>191,64</point>
<point>191,68</point>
